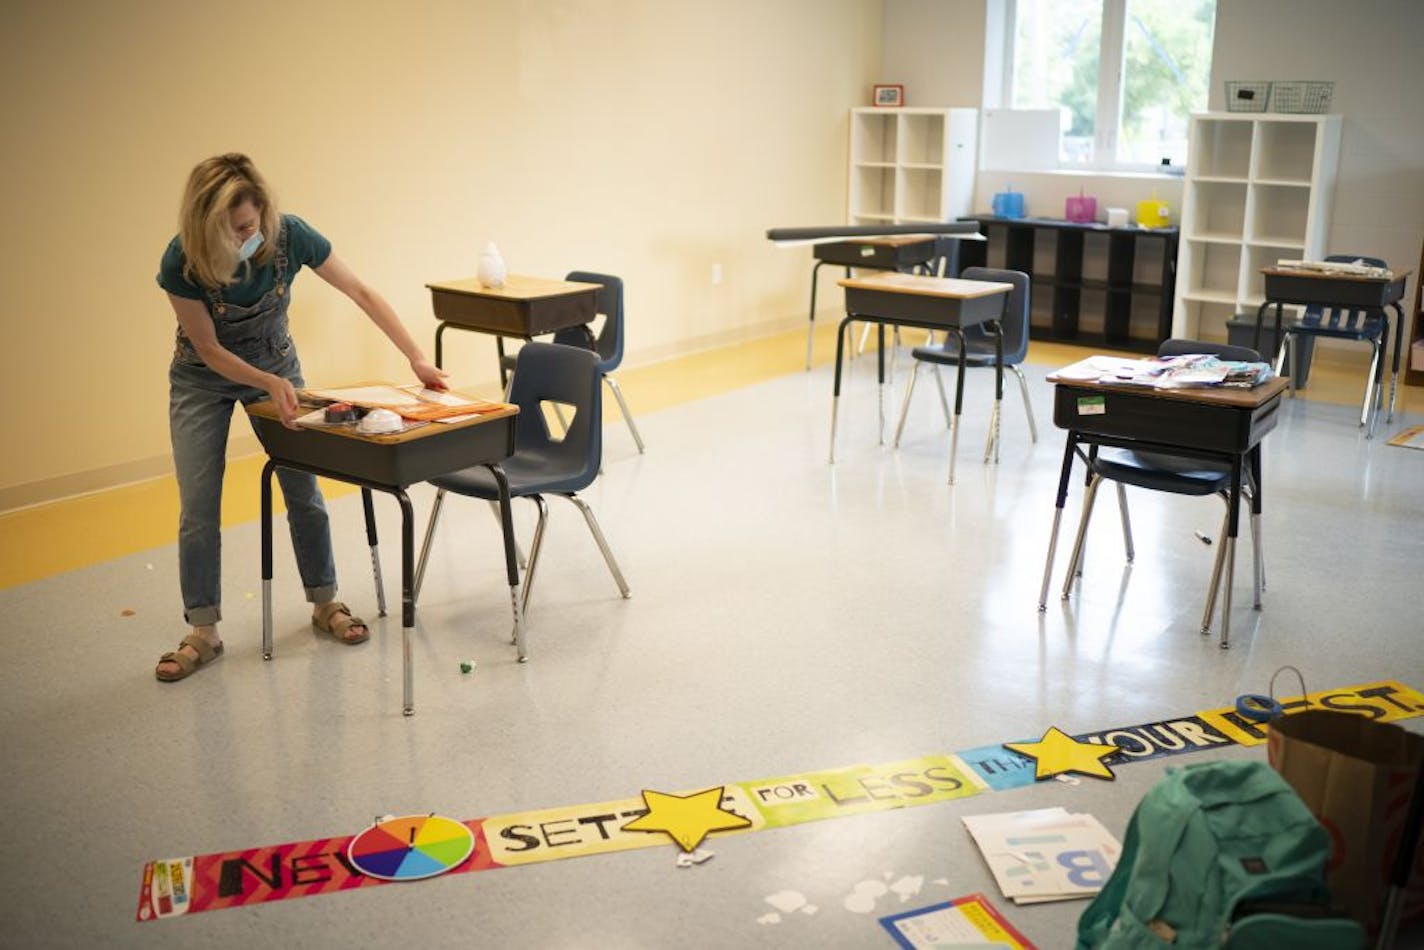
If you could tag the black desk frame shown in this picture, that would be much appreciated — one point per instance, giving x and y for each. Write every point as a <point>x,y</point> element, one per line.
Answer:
<point>1142,421</point>
<point>1371,296</point>
<point>407,558</point>
<point>951,314</point>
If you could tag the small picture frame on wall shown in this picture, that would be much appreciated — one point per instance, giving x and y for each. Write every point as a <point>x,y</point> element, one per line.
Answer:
<point>889,96</point>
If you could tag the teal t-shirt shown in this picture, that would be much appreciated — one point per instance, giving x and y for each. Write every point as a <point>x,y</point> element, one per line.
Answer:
<point>305,245</point>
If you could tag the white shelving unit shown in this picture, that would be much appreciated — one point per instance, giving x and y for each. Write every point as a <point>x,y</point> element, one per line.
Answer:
<point>911,165</point>
<point>1258,189</point>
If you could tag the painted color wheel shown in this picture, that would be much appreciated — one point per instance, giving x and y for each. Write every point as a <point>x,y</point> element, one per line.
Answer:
<point>411,847</point>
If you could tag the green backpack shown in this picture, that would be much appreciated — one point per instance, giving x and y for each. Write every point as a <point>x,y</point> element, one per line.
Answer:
<point>1222,854</point>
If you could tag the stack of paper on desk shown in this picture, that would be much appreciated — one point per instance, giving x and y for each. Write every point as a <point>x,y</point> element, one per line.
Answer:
<point>1170,372</point>
<point>1049,854</point>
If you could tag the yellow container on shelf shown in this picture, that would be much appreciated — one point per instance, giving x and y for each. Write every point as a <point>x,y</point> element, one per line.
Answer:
<point>1153,213</point>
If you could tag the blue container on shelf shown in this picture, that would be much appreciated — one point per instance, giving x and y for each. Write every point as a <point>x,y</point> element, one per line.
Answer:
<point>1008,204</point>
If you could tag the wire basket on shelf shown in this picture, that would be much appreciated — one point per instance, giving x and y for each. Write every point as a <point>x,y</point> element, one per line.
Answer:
<point>1247,95</point>
<point>1302,96</point>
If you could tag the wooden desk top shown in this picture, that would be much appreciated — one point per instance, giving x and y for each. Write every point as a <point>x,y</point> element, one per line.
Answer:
<point>1325,275</point>
<point>894,240</point>
<point>266,410</point>
<point>517,287</point>
<point>951,287</point>
<point>1214,395</point>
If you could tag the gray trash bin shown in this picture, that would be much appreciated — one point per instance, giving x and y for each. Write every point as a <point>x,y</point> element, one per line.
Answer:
<point>1241,331</point>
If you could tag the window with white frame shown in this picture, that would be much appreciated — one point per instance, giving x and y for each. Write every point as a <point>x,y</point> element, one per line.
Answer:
<point>1125,75</point>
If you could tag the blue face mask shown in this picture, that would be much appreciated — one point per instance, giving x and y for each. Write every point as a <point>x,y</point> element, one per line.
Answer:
<point>249,247</point>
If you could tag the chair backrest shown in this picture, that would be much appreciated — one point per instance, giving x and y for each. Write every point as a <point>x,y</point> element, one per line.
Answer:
<point>552,372</point>
<point>1178,346</point>
<point>1340,317</point>
<point>610,304</point>
<point>1016,312</point>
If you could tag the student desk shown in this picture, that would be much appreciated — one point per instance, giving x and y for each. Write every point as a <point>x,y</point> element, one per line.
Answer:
<point>388,463</point>
<point>930,303</point>
<point>525,307</point>
<point>900,252</point>
<point>1224,425</point>
<point>1375,295</point>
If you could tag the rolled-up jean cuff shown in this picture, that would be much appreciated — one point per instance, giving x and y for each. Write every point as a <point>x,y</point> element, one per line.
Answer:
<point>320,595</point>
<point>202,616</point>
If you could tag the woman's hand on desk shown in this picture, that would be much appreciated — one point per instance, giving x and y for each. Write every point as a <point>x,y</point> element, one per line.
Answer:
<point>430,375</point>
<point>284,397</point>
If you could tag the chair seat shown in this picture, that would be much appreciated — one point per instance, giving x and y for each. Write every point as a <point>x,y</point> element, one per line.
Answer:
<point>977,352</point>
<point>529,473</point>
<point>1170,473</point>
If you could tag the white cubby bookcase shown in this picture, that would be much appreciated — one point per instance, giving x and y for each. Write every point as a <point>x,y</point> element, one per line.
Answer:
<point>1258,189</point>
<point>911,166</point>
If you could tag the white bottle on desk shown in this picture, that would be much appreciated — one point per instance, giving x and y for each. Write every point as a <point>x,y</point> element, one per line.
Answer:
<point>491,270</point>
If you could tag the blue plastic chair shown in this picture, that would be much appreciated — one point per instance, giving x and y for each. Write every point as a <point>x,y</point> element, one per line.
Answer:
<point>1342,323</point>
<point>542,464</point>
<point>979,346</point>
<point>609,343</point>
<point>1179,475</point>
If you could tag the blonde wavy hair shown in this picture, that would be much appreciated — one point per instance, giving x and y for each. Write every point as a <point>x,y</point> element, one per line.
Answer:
<point>216,186</point>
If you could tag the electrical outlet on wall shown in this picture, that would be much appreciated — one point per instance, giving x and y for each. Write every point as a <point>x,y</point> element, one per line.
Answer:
<point>716,273</point>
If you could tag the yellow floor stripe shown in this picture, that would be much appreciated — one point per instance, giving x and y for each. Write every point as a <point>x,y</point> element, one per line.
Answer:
<point>62,536</point>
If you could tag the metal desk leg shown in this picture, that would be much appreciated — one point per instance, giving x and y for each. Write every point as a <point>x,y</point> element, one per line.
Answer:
<point>1399,328</point>
<point>511,563</point>
<point>880,380</point>
<point>836,389</point>
<point>439,349</point>
<point>1057,520</point>
<point>811,321</point>
<point>407,601</point>
<point>266,516</point>
<point>958,403</point>
<point>370,512</point>
<point>991,447</point>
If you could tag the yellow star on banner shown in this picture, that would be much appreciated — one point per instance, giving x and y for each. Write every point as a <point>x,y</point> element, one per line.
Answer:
<point>1058,752</point>
<point>687,819</point>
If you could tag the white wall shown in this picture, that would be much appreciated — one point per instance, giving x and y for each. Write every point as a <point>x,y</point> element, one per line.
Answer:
<point>646,138</point>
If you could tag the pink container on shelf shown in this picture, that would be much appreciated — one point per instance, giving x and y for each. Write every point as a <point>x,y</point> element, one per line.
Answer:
<point>1082,209</point>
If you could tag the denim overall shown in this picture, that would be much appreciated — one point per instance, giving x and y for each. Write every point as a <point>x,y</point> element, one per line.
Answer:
<point>200,404</point>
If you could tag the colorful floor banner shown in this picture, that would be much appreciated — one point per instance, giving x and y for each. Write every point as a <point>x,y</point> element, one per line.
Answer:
<point>175,887</point>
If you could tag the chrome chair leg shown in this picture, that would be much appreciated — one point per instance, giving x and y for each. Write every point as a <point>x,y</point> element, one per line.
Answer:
<point>623,406</point>
<point>1028,406</point>
<point>943,397</point>
<point>1126,523</point>
<point>1075,558</point>
<point>1280,361</point>
<point>1215,584</point>
<point>534,547</point>
<point>425,545</point>
<point>905,403</point>
<point>1367,408</point>
<point>602,543</point>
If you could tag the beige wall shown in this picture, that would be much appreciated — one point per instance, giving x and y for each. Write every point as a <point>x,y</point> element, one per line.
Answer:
<point>647,139</point>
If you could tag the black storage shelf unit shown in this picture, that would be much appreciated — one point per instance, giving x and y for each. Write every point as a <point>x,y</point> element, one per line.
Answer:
<point>1067,283</point>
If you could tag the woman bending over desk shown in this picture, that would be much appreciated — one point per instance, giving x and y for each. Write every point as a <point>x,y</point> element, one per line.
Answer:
<point>228,274</point>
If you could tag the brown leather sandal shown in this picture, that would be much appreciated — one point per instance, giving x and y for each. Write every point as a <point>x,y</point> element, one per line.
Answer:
<point>336,619</point>
<point>187,666</point>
